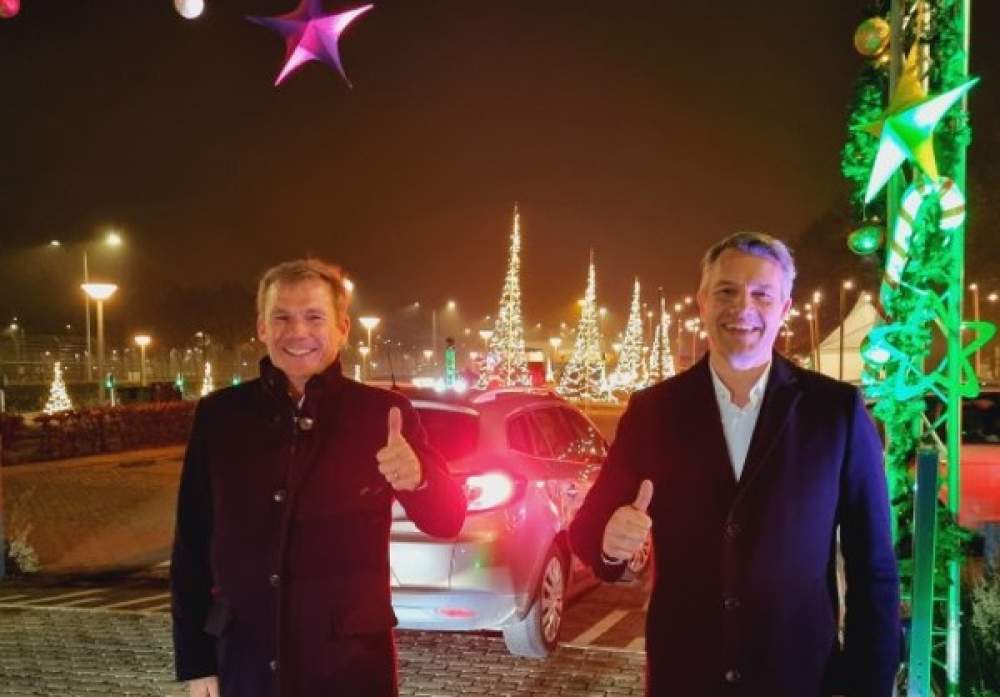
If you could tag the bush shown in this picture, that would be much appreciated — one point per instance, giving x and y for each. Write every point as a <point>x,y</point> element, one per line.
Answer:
<point>100,430</point>
<point>986,632</point>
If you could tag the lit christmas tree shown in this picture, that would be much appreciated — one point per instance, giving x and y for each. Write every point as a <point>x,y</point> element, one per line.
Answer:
<point>661,361</point>
<point>58,397</point>
<point>505,362</point>
<point>207,385</point>
<point>584,376</point>
<point>628,374</point>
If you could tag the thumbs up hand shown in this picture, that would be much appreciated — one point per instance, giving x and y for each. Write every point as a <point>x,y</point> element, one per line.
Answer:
<point>396,461</point>
<point>629,526</point>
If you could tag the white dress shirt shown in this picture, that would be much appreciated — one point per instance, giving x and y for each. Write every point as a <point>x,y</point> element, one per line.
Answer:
<point>738,423</point>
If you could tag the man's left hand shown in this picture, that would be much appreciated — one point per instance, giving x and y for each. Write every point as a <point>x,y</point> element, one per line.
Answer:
<point>396,461</point>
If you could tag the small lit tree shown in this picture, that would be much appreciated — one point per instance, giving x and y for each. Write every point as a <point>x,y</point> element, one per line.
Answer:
<point>58,397</point>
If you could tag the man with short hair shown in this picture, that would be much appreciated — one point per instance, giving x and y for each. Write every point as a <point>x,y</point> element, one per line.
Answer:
<point>745,467</point>
<point>280,570</point>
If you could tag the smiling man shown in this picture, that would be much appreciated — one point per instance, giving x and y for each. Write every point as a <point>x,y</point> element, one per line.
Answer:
<point>280,570</point>
<point>745,468</point>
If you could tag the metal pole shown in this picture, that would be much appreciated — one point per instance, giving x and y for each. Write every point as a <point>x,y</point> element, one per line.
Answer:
<point>434,330</point>
<point>142,365</point>
<point>100,351</point>
<point>840,333</point>
<point>954,323</point>
<point>86,305</point>
<point>975,314</point>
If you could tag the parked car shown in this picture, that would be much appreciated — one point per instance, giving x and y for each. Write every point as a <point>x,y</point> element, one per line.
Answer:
<point>980,491</point>
<point>526,459</point>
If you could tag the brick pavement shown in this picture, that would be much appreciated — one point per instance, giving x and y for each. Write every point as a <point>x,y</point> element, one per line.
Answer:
<point>66,653</point>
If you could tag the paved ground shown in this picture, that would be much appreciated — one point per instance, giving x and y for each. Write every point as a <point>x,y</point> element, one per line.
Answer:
<point>95,513</point>
<point>69,652</point>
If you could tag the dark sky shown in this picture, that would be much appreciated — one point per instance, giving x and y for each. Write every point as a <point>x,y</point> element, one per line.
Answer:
<point>646,130</point>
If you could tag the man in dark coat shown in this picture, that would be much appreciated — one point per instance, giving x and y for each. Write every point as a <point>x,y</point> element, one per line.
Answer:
<point>748,466</point>
<point>280,572</point>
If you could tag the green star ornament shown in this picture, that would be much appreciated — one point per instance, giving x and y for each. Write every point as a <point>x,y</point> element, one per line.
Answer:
<point>906,128</point>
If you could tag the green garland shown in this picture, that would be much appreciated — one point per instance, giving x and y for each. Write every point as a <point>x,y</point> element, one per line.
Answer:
<point>858,153</point>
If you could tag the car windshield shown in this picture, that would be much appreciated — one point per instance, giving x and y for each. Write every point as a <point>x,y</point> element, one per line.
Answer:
<point>981,419</point>
<point>454,434</point>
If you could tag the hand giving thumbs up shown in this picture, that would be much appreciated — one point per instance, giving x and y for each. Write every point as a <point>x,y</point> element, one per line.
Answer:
<point>396,461</point>
<point>629,526</point>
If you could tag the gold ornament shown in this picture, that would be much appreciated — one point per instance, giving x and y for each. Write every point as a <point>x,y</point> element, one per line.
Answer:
<point>871,38</point>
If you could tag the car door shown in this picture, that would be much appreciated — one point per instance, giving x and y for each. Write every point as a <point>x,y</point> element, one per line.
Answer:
<point>569,463</point>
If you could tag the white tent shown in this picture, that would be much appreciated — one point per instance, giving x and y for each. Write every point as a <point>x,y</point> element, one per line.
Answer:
<point>857,324</point>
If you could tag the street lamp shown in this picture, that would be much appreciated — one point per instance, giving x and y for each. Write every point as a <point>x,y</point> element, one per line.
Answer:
<point>974,287</point>
<point>112,239</point>
<point>364,350</point>
<point>486,335</point>
<point>142,341</point>
<point>844,287</point>
<point>693,325</point>
<point>451,306</point>
<point>99,292</point>
<point>369,323</point>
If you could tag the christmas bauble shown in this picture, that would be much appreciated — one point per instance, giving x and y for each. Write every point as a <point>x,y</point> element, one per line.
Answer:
<point>9,8</point>
<point>189,9</point>
<point>867,238</point>
<point>872,37</point>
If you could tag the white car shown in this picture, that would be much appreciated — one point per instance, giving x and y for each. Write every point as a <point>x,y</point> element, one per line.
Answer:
<point>526,459</point>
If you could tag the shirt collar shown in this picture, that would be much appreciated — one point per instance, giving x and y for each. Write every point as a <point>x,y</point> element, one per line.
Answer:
<point>724,396</point>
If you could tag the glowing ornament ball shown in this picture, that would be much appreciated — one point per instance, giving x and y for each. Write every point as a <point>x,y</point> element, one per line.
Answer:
<point>872,37</point>
<point>867,239</point>
<point>9,8</point>
<point>189,9</point>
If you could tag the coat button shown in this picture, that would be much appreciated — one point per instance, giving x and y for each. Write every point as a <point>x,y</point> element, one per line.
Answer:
<point>275,580</point>
<point>733,529</point>
<point>279,496</point>
<point>273,665</point>
<point>305,423</point>
<point>731,603</point>
<point>733,676</point>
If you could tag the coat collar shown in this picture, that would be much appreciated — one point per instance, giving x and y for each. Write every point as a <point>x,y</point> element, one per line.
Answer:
<point>276,382</point>
<point>780,397</point>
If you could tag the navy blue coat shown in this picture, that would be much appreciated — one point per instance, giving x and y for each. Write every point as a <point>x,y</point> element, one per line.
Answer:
<point>744,601</point>
<point>280,570</point>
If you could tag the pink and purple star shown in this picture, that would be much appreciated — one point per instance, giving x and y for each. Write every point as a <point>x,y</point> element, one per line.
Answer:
<point>311,34</point>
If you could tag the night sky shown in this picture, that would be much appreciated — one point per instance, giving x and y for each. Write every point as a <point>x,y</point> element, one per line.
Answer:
<point>646,130</point>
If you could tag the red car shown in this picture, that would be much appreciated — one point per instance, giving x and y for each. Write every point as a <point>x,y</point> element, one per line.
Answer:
<point>980,500</point>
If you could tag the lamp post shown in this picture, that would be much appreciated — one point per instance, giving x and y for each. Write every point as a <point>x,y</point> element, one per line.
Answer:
<point>693,326</point>
<point>992,298</point>
<point>364,350</point>
<point>844,287</point>
<point>100,292</point>
<point>816,300</point>
<point>369,323</point>
<point>486,335</point>
<point>142,341</point>
<point>112,239</point>
<point>974,287</point>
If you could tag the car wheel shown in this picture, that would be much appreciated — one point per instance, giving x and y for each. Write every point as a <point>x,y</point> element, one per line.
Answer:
<point>537,635</point>
<point>640,560</point>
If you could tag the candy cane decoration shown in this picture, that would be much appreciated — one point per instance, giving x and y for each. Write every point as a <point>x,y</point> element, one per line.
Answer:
<point>952,215</point>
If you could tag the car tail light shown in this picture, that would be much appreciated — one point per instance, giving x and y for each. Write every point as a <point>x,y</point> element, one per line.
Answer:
<point>489,490</point>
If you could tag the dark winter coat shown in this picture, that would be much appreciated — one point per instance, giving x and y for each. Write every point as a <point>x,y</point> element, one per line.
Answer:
<point>280,571</point>
<point>744,601</point>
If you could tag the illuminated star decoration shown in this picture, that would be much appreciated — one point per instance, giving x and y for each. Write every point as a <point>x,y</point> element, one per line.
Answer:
<point>906,127</point>
<point>311,35</point>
